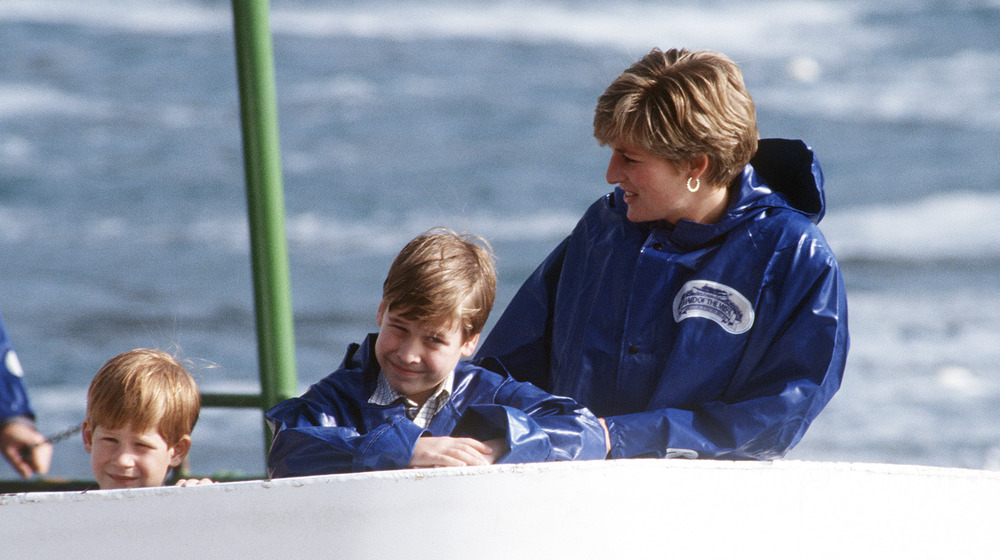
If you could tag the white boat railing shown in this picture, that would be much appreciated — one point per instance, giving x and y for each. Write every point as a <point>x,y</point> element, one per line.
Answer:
<point>639,508</point>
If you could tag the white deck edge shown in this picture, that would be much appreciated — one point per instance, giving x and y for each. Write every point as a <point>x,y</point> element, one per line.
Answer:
<point>595,509</point>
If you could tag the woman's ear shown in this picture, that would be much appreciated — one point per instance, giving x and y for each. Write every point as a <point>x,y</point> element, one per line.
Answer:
<point>698,166</point>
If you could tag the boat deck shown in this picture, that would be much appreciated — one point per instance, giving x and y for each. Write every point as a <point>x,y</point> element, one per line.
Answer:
<point>598,509</point>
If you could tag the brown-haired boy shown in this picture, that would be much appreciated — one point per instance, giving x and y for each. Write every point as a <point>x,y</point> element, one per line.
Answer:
<point>403,398</point>
<point>141,408</point>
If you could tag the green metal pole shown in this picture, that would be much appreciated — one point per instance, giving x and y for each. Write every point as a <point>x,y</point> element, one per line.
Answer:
<point>265,202</point>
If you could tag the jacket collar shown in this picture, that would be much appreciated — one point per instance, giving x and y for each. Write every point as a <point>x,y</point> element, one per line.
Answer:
<point>783,174</point>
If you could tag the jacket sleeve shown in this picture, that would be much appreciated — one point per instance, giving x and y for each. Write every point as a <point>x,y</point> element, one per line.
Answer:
<point>13,393</point>
<point>312,438</point>
<point>537,426</point>
<point>521,338</point>
<point>790,374</point>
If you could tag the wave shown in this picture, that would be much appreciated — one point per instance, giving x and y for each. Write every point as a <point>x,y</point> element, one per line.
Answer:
<point>955,89</point>
<point>137,16</point>
<point>20,100</point>
<point>959,226</point>
<point>804,54</point>
<point>734,26</point>
<point>307,232</point>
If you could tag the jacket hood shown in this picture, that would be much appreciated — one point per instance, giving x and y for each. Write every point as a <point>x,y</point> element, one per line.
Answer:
<point>783,173</point>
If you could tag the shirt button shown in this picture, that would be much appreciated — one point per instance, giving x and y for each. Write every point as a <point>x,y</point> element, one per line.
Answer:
<point>633,349</point>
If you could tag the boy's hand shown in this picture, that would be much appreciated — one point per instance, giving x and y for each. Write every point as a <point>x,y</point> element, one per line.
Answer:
<point>194,481</point>
<point>607,434</point>
<point>450,452</point>
<point>499,449</point>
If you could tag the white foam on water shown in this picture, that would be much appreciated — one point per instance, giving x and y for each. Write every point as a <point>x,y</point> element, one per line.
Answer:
<point>19,100</point>
<point>957,225</point>
<point>632,24</point>
<point>817,43</point>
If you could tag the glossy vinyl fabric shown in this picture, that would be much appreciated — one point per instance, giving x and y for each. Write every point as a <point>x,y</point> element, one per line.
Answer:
<point>332,428</point>
<point>714,341</point>
<point>13,393</point>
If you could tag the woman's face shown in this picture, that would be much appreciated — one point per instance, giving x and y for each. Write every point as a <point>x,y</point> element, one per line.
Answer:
<point>655,189</point>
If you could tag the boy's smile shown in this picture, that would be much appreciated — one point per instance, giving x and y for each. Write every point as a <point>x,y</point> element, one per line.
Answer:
<point>416,358</point>
<point>124,458</point>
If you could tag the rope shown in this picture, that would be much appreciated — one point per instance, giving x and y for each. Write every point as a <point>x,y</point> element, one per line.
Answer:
<point>56,438</point>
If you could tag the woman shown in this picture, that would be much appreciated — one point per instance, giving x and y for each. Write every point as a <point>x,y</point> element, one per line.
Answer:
<point>21,444</point>
<point>697,308</point>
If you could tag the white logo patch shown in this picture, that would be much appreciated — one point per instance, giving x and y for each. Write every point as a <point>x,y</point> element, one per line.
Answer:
<point>13,364</point>
<point>718,302</point>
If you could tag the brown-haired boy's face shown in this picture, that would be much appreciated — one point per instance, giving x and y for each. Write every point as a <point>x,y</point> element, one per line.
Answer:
<point>126,458</point>
<point>415,358</point>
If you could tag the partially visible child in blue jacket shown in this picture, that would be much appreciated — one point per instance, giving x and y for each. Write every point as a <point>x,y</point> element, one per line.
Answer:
<point>402,398</point>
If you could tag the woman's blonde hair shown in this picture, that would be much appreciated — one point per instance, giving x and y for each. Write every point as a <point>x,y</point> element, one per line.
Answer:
<point>679,105</point>
<point>441,278</point>
<point>144,389</point>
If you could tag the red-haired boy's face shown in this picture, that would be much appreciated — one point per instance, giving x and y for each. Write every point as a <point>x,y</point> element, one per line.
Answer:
<point>126,458</point>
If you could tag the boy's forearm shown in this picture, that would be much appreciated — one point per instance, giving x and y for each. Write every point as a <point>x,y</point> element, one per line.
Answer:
<point>312,450</point>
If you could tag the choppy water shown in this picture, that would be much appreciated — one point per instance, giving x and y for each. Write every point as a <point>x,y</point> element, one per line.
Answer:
<point>122,210</point>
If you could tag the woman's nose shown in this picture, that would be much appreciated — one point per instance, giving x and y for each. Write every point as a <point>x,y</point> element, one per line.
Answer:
<point>613,174</point>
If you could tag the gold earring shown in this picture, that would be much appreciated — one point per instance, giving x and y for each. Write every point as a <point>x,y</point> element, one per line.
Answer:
<point>697,184</point>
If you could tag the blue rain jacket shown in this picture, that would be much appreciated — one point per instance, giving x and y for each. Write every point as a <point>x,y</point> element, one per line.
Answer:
<point>717,341</point>
<point>333,428</point>
<point>13,393</point>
